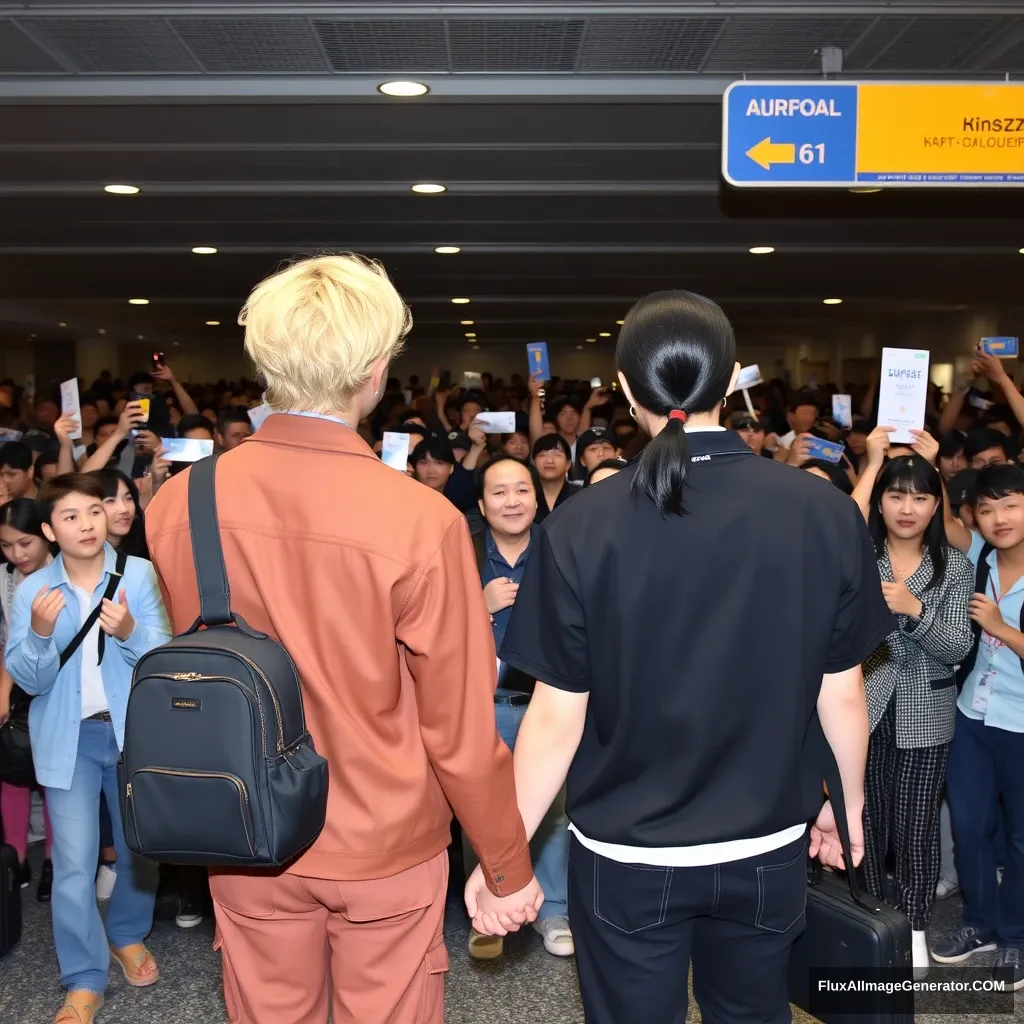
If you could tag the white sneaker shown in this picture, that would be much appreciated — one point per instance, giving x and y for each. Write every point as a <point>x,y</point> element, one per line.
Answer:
<point>105,879</point>
<point>557,936</point>
<point>946,888</point>
<point>919,954</point>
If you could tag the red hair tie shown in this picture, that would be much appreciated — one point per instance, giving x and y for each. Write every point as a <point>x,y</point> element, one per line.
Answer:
<point>677,414</point>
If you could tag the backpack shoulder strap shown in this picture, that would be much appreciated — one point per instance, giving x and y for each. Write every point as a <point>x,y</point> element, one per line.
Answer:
<point>108,595</point>
<point>207,551</point>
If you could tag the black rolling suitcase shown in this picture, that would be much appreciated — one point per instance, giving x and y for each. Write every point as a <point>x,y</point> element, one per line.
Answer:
<point>10,899</point>
<point>848,931</point>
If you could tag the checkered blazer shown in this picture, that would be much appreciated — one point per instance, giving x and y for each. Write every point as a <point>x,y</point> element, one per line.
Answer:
<point>917,660</point>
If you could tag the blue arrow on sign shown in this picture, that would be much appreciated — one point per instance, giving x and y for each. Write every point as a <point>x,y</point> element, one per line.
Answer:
<point>799,134</point>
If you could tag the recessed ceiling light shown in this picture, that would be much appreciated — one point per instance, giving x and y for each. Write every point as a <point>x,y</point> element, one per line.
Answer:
<point>832,302</point>
<point>605,334</point>
<point>461,302</point>
<point>138,302</point>
<point>403,89</point>
<point>62,324</point>
<point>620,322</point>
<point>579,346</point>
<point>213,323</point>
<point>101,330</point>
<point>31,335</point>
<point>476,348</point>
<point>204,250</point>
<point>864,191</point>
<point>467,323</point>
<point>447,250</point>
<point>1021,251</point>
<point>122,190</point>
<point>427,189</point>
<point>470,334</point>
<point>592,340</point>
<point>762,250</point>
<point>142,337</point>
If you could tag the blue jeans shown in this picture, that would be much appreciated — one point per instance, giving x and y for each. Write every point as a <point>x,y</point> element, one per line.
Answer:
<point>550,844</point>
<point>78,932</point>
<point>983,785</point>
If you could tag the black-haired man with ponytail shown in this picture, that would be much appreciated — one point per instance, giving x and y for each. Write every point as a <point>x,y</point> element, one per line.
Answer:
<point>693,745</point>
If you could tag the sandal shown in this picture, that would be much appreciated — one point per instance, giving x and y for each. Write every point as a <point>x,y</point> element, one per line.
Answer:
<point>133,959</point>
<point>80,1007</point>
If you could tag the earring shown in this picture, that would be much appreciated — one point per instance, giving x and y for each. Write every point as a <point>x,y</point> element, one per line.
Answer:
<point>632,412</point>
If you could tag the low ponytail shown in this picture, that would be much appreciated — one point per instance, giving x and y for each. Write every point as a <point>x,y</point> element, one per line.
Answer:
<point>676,351</point>
<point>662,469</point>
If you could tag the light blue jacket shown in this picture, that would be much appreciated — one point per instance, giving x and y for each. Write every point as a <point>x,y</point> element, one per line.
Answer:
<point>33,661</point>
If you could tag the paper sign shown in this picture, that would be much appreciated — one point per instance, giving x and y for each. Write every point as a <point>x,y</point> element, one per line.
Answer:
<point>6,434</point>
<point>70,406</point>
<point>497,422</point>
<point>78,452</point>
<point>1003,348</point>
<point>394,450</point>
<point>980,403</point>
<point>826,451</point>
<point>185,449</point>
<point>750,377</point>
<point>903,392</point>
<point>842,410</point>
<point>258,415</point>
<point>30,385</point>
<point>537,354</point>
<point>472,381</point>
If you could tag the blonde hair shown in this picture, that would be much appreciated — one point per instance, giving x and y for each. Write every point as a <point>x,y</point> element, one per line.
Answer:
<point>316,329</point>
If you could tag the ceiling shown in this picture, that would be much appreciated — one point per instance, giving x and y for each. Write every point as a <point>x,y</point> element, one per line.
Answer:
<point>580,145</point>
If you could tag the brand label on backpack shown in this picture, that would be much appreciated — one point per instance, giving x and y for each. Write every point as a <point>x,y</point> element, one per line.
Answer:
<point>186,704</point>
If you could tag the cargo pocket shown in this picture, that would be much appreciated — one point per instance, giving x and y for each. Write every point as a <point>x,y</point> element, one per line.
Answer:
<point>630,897</point>
<point>435,967</point>
<point>781,894</point>
<point>232,995</point>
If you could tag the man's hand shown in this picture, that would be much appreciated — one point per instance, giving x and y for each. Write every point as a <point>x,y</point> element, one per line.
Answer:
<point>599,396</point>
<point>130,418</point>
<point>146,442</point>
<point>476,435</point>
<point>500,594</point>
<point>925,445</point>
<point>164,373</point>
<point>799,451</point>
<point>878,443</point>
<point>988,366</point>
<point>159,468</point>
<point>48,604</point>
<point>115,619</point>
<point>64,428</point>
<point>985,612</point>
<point>536,386</point>
<point>899,598</point>
<point>825,844</point>
<point>494,915</point>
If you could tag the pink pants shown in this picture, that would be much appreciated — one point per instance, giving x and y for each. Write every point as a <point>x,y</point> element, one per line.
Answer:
<point>15,811</point>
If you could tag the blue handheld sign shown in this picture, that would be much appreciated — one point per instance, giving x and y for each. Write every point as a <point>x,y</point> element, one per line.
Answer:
<point>826,451</point>
<point>1004,348</point>
<point>537,354</point>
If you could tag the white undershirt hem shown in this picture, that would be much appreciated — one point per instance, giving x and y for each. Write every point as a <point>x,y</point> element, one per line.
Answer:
<point>692,856</point>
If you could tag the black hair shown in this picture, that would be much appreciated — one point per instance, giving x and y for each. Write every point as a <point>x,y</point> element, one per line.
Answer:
<point>48,458</point>
<point>106,421</point>
<point>836,474</point>
<point>549,442</point>
<point>16,455</point>
<point>437,448</point>
<point>61,487</point>
<point>983,439</point>
<point>860,426</point>
<point>23,515</point>
<point>744,421</point>
<point>952,443</point>
<point>995,482</point>
<point>556,405</point>
<point>802,398</point>
<point>482,471</point>
<point>134,541</point>
<point>617,464</point>
<point>910,474</point>
<point>139,378</point>
<point>476,397</point>
<point>194,422</point>
<point>412,414</point>
<point>234,414</point>
<point>676,351</point>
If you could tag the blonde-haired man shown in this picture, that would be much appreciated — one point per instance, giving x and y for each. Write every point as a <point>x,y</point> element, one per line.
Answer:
<point>370,581</point>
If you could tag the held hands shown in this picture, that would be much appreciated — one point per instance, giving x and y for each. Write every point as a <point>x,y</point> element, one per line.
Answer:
<point>495,915</point>
<point>115,619</point>
<point>48,604</point>
<point>899,598</point>
<point>500,594</point>
<point>985,612</point>
<point>825,843</point>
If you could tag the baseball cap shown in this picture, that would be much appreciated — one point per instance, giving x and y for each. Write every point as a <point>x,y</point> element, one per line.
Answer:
<point>593,436</point>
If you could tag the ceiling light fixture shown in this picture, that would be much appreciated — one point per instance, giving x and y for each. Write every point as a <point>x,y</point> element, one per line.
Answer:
<point>864,191</point>
<point>470,334</point>
<point>467,323</point>
<point>403,89</point>
<point>447,250</point>
<point>1021,251</point>
<point>605,334</point>
<point>213,323</point>
<point>138,302</point>
<point>428,189</point>
<point>476,348</point>
<point>204,250</point>
<point>122,190</point>
<point>461,302</point>
<point>578,347</point>
<point>62,324</point>
<point>592,340</point>
<point>620,322</point>
<point>832,302</point>
<point>101,330</point>
<point>141,337</point>
<point>761,250</point>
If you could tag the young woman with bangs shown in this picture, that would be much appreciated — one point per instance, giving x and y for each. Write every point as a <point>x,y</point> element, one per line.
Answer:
<point>909,679</point>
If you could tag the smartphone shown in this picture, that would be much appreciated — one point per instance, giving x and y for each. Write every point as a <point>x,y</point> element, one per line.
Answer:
<point>144,401</point>
<point>595,382</point>
<point>158,360</point>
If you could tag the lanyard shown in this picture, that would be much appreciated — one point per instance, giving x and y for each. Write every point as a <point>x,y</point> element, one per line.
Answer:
<point>990,641</point>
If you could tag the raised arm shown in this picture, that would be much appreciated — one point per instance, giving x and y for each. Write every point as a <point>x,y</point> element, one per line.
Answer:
<point>188,406</point>
<point>131,417</point>
<point>536,410</point>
